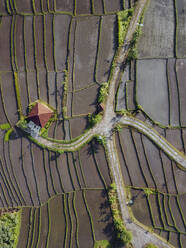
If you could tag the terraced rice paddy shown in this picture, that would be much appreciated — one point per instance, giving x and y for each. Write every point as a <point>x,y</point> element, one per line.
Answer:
<point>62,52</point>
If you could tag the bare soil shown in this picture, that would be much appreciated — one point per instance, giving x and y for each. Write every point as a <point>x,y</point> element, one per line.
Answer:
<point>43,85</point>
<point>131,158</point>
<point>84,101</point>
<point>24,6</point>
<point>101,214</point>
<point>56,209</point>
<point>152,154</point>
<point>124,168</point>
<point>61,26</point>
<point>174,207</point>
<point>30,171</point>
<point>3,8</point>
<point>10,101</point>
<point>22,241</point>
<point>121,94</point>
<point>40,173</point>
<point>39,43</point>
<point>112,6</point>
<point>5,28</point>
<point>181,76</point>
<point>140,207</point>
<point>130,86</point>
<point>77,126</point>
<point>83,7</point>
<point>157,40</point>
<point>85,233</point>
<point>32,86</point>
<point>98,6</point>
<point>29,43</point>
<point>181,42</point>
<point>91,174</point>
<point>19,43</point>
<point>85,51</point>
<point>107,47</point>
<point>173,93</point>
<point>49,42</point>
<point>44,225</point>
<point>51,89</point>
<point>23,91</point>
<point>152,91</point>
<point>142,159</point>
<point>66,6</point>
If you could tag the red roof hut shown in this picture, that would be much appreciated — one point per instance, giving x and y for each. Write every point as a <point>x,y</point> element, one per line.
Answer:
<point>40,114</point>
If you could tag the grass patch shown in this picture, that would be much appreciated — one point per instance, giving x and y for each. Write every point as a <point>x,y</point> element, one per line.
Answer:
<point>9,229</point>
<point>7,134</point>
<point>150,245</point>
<point>5,126</point>
<point>102,244</point>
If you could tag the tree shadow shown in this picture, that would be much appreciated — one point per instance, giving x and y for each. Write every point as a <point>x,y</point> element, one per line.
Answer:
<point>93,147</point>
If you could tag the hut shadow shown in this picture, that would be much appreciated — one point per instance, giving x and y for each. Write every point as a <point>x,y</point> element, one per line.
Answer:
<point>16,134</point>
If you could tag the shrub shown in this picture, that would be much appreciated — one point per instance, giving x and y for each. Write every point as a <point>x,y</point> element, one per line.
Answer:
<point>94,119</point>
<point>103,92</point>
<point>9,229</point>
<point>102,244</point>
<point>5,126</point>
<point>124,18</point>
<point>150,245</point>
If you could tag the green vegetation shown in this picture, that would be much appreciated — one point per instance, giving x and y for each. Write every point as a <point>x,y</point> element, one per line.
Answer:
<point>148,191</point>
<point>101,139</point>
<point>9,229</point>
<point>150,245</point>
<point>5,126</point>
<point>18,97</point>
<point>7,134</point>
<point>133,53</point>
<point>123,235</point>
<point>124,18</point>
<point>103,92</point>
<point>93,119</point>
<point>102,244</point>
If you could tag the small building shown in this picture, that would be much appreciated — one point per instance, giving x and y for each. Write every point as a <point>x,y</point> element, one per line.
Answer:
<point>40,114</point>
<point>33,129</point>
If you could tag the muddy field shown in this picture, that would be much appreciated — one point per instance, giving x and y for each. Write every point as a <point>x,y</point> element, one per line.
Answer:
<point>66,48</point>
<point>70,215</point>
<point>139,156</point>
<point>160,90</point>
<point>157,40</point>
<point>23,170</point>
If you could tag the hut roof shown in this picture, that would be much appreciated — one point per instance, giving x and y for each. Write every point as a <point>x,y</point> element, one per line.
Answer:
<point>40,114</point>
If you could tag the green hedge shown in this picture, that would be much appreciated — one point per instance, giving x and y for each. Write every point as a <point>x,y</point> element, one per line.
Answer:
<point>9,229</point>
